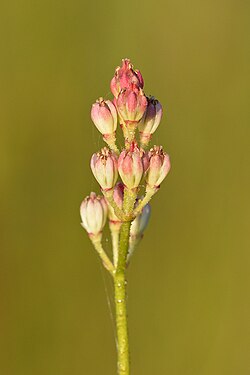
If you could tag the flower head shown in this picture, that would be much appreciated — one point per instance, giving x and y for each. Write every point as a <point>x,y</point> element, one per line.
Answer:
<point>104,168</point>
<point>93,211</point>
<point>104,116</point>
<point>159,166</point>
<point>124,77</point>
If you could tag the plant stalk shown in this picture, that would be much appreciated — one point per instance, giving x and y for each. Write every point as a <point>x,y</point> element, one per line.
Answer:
<point>120,286</point>
<point>96,241</point>
<point>115,227</point>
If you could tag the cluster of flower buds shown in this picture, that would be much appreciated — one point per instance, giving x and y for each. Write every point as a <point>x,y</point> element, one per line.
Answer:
<point>134,164</point>
<point>131,165</point>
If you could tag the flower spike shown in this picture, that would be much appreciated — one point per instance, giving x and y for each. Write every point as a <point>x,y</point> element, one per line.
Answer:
<point>139,169</point>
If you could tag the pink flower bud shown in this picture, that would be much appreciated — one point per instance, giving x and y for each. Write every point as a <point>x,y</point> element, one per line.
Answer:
<point>118,198</point>
<point>104,168</point>
<point>159,166</point>
<point>150,120</point>
<point>130,167</point>
<point>104,116</point>
<point>93,211</point>
<point>124,77</point>
<point>131,104</point>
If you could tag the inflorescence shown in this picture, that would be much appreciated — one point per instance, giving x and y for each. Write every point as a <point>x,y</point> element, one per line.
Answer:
<point>141,171</point>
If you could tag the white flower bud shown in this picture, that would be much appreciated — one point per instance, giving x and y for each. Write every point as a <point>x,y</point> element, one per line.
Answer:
<point>93,211</point>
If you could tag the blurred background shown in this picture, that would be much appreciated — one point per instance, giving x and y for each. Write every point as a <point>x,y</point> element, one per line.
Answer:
<point>189,281</point>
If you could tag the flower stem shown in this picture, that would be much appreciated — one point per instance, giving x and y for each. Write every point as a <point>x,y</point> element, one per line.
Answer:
<point>120,303</point>
<point>129,200</point>
<point>115,235</point>
<point>120,285</point>
<point>142,203</point>
<point>110,139</point>
<point>96,240</point>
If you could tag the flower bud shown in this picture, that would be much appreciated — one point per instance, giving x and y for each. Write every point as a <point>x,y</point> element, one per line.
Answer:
<point>130,167</point>
<point>104,116</point>
<point>118,198</point>
<point>124,77</point>
<point>150,120</point>
<point>159,166</point>
<point>104,168</point>
<point>131,104</point>
<point>140,223</point>
<point>93,211</point>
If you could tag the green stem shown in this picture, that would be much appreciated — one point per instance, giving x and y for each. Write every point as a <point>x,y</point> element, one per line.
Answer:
<point>120,303</point>
<point>115,234</point>
<point>123,247</point>
<point>113,147</point>
<point>96,240</point>
<point>149,193</point>
<point>129,200</point>
<point>110,139</point>
<point>120,262</point>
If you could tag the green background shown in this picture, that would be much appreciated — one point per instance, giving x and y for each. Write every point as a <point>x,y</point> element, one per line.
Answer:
<point>189,303</point>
